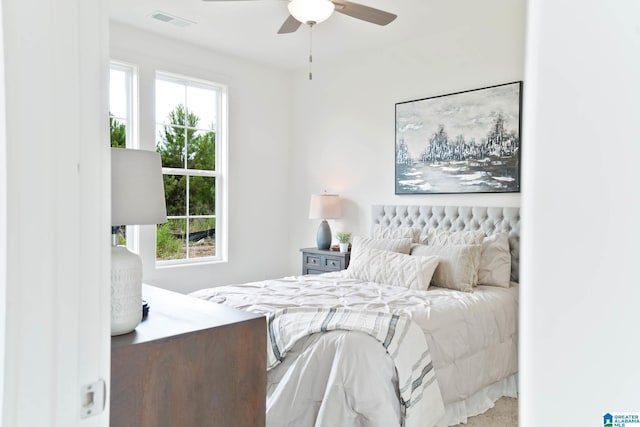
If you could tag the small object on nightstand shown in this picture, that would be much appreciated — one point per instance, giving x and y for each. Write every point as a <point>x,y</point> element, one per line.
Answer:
<point>317,261</point>
<point>145,309</point>
<point>344,237</point>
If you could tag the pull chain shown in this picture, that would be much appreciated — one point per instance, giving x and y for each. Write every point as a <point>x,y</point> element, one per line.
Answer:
<point>311,24</point>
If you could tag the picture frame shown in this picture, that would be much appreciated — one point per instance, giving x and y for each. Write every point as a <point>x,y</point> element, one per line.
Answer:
<point>462,142</point>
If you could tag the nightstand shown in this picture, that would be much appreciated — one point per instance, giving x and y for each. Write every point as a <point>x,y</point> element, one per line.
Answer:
<point>191,363</point>
<point>317,261</point>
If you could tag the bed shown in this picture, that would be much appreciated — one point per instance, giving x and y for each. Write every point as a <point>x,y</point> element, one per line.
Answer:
<point>374,345</point>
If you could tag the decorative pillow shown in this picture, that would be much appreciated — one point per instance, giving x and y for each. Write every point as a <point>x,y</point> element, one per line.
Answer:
<point>458,265</point>
<point>514,247</point>
<point>392,268</point>
<point>445,238</point>
<point>495,261</point>
<point>394,245</point>
<point>386,232</point>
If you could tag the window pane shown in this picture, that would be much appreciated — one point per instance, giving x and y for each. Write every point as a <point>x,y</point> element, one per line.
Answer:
<point>202,104</point>
<point>118,92</point>
<point>175,191</point>
<point>202,237</point>
<point>170,143</point>
<point>170,240</point>
<point>169,96</point>
<point>202,149</point>
<point>118,133</point>
<point>202,195</point>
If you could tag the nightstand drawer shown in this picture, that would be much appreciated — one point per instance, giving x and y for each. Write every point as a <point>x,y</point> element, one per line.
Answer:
<point>312,260</point>
<point>332,263</point>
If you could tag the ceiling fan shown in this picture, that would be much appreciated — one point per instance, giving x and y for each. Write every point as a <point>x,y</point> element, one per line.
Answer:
<point>313,12</point>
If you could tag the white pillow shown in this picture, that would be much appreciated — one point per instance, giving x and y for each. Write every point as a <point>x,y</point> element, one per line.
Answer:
<point>392,268</point>
<point>458,265</point>
<point>495,261</point>
<point>387,232</point>
<point>445,238</point>
<point>393,245</point>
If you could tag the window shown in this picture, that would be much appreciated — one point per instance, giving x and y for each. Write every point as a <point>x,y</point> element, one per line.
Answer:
<point>121,104</point>
<point>122,123</point>
<point>189,131</point>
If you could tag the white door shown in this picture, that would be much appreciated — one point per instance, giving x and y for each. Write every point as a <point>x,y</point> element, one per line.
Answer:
<point>54,211</point>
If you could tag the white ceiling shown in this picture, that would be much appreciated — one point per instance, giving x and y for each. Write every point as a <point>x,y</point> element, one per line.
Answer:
<point>248,29</point>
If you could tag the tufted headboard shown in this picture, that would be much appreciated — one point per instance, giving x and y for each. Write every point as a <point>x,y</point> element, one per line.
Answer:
<point>455,218</point>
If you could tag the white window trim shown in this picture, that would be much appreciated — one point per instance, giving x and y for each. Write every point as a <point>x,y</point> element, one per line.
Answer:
<point>221,145</point>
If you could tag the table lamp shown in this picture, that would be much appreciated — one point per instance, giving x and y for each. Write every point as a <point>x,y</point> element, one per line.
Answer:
<point>324,206</point>
<point>137,198</point>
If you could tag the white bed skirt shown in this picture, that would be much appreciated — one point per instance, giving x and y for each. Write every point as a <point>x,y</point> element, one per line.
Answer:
<point>480,402</point>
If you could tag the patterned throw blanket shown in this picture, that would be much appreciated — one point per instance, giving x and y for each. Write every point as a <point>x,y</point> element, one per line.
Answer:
<point>404,341</point>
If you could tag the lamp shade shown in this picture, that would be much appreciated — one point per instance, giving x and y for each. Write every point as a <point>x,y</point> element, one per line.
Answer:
<point>324,206</point>
<point>315,11</point>
<point>137,189</point>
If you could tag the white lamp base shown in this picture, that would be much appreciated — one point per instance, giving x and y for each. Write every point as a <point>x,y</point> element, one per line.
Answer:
<point>126,290</point>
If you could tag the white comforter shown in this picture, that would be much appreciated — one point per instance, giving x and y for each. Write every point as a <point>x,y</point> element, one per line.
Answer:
<point>420,398</point>
<point>472,338</point>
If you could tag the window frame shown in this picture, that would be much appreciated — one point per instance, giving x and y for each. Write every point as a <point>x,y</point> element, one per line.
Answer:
<point>219,172</point>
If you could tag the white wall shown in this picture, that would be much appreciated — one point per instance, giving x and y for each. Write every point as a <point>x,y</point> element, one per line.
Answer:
<point>258,169</point>
<point>580,295</point>
<point>57,210</point>
<point>335,132</point>
<point>344,123</point>
<point>3,216</point>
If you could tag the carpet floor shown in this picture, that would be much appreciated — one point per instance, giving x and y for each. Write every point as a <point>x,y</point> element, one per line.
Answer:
<point>503,414</point>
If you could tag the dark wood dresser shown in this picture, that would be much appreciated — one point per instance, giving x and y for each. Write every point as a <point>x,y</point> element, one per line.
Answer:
<point>191,363</point>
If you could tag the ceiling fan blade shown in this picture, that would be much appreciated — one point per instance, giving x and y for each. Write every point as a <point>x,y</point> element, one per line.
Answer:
<point>289,26</point>
<point>365,13</point>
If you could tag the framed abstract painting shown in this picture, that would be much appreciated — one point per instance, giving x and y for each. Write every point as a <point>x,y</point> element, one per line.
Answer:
<point>464,142</point>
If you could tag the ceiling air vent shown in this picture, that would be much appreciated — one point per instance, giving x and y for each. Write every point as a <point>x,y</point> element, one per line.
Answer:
<point>165,17</point>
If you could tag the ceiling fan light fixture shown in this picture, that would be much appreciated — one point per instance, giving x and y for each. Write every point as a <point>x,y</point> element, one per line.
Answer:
<point>307,11</point>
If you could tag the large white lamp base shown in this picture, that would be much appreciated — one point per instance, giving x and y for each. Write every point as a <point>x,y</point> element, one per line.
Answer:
<point>126,290</point>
